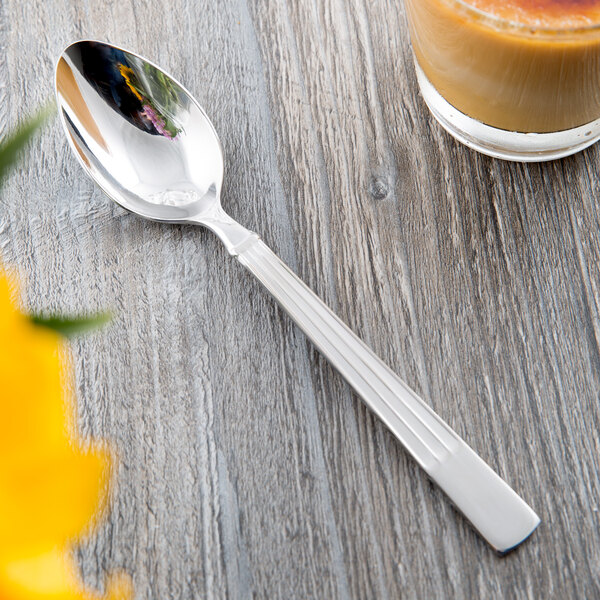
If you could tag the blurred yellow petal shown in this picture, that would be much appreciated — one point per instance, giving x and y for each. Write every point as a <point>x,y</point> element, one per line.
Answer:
<point>33,407</point>
<point>50,500</point>
<point>51,576</point>
<point>51,491</point>
<point>47,575</point>
<point>34,415</point>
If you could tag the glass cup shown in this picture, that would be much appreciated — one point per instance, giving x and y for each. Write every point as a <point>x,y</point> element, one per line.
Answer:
<point>510,90</point>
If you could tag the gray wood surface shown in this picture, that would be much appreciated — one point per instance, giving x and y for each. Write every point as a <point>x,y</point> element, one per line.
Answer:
<point>247,467</point>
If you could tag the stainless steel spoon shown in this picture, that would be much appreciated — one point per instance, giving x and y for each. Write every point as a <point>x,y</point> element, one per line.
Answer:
<point>150,146</point>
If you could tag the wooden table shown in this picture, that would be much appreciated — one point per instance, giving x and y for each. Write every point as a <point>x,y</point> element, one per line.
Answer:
<point>247,467</point>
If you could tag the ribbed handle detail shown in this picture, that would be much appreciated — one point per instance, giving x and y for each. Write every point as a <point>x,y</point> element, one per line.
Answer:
<point>493,507</point>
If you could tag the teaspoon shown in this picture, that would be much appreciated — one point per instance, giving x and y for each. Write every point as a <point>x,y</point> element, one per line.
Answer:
<point>149,145</point>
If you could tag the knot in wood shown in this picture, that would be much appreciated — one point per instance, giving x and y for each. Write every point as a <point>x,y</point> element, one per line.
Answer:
<point>379,188</point>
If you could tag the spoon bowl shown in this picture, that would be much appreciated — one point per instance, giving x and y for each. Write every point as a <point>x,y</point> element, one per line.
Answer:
<point>144,139</point>
<point>141,136</point>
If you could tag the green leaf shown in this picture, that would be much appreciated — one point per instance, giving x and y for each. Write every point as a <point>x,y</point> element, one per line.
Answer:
<point>11,145</point>
<point>69,326</point>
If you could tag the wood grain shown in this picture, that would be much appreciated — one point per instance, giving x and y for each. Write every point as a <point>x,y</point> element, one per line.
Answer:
<point>247,467</point>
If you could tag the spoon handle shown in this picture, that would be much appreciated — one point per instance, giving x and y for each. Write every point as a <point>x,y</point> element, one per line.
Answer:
<point>496,511</point>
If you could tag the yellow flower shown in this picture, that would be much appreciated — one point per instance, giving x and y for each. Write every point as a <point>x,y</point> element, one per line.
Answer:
<point>127,74</point>
<point>51,491</point>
